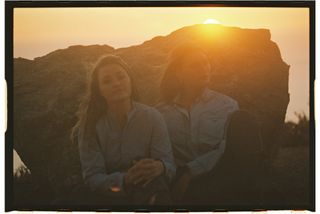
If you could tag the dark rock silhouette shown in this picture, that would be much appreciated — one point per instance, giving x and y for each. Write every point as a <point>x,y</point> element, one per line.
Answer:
<point>247,66</point>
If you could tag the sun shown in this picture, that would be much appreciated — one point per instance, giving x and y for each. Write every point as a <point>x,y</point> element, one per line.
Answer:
<point>211,21</point>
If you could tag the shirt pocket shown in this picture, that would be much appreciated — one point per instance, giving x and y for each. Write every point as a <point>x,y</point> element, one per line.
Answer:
<point>210,132</point>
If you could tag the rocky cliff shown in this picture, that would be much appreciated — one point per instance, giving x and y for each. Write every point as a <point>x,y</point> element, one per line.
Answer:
<point>247,66</point>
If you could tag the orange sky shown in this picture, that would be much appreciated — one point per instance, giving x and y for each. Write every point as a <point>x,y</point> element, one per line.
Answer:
<point>38,31</point>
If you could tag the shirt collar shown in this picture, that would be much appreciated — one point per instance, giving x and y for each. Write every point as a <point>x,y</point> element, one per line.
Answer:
<point>204,97</point>
<point>133,110</point>
<point>111,117</point>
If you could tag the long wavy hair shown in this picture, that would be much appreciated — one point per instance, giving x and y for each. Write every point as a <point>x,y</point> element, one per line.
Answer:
<point>93,105</point>
<point>170,87</point>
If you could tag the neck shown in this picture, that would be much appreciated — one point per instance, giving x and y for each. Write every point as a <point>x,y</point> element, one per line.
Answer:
<point>120,109</point>
<point>188,96</point>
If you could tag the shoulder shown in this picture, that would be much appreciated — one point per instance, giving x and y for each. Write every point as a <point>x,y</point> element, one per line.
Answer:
<point>163,107</point>
<point>147,111</point>
<point>100,121</point>
<point>223,99</point>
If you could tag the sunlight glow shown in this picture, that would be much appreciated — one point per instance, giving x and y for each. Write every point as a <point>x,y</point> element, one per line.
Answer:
<point>211,21</point>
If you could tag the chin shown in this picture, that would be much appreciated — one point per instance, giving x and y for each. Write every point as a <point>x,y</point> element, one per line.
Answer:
<point>120,97</point>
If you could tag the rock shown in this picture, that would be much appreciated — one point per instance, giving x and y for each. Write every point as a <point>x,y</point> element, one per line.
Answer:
<point>247,66</point>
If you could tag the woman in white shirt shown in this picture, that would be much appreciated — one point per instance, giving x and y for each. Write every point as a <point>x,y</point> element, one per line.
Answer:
<point>124,145</point>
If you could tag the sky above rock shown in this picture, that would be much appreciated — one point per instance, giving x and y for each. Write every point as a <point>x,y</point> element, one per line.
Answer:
<point>38,31</point>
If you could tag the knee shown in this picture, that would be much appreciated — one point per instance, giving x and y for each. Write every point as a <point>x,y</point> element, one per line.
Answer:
<point>243,133</point>
<point>242,116</point>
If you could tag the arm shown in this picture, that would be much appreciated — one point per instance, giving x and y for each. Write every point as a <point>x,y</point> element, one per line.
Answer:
<point>93,167</point>
<point>161,146</point>
<point>160,159</point>
<point>207,161</point>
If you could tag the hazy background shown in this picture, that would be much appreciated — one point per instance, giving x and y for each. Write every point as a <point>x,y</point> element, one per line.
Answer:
<point>38,31</point>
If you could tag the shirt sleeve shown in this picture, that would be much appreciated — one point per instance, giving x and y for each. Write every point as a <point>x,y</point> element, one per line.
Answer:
<point>93,167</point>
<point>206,162</point>
<point>161,145</point>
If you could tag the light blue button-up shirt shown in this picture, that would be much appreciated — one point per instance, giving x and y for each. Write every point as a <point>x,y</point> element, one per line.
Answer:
<point>197,136</point>
<point>106,158</point>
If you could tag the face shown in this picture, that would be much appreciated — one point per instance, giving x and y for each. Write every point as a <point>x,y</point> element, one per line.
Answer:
<point>114,83</point>
<point>195,71</point>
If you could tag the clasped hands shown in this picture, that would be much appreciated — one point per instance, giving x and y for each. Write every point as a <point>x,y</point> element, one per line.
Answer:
<point>143,172</point>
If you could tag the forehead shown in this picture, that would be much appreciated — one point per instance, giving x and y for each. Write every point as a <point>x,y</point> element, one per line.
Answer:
<point>110,70</point>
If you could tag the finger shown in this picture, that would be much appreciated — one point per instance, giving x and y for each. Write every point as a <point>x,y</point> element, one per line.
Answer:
<point>132,168</point>
<point>134,172</point>
<point>147,168</point>
<point>154,168</point>
<point>138,175</point>
<point>136,167</point>
<point>145,160</point>
<point>150,177</point>
<point>148,165</point>
<point>140,179</point>
<point>129,175</point>
<point>142,166</point>
<point>144,176</point>
<point>148,180</point>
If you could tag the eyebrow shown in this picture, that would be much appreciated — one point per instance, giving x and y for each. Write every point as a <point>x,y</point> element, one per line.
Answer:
<point>106,75</point>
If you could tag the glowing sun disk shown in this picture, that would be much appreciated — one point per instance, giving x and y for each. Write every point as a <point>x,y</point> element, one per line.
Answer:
<point>211,21</point>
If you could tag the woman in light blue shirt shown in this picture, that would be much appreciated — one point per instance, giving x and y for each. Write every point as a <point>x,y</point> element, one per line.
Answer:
<point>124,146</point>
<point>195,115</point>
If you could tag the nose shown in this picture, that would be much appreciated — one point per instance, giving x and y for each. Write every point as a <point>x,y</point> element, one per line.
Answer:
<point>116,83</point>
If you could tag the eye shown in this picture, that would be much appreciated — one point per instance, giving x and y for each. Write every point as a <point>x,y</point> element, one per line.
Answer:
<point>121,76</point>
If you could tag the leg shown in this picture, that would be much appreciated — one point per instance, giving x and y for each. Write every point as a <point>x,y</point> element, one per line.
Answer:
<point>239,170</point>
<point>243,135</point>
<point>235,179</point>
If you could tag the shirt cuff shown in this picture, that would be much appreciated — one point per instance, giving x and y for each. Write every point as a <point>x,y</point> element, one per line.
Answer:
<point>116,183</point>
<point>169,170</point>
<point>195,168</point>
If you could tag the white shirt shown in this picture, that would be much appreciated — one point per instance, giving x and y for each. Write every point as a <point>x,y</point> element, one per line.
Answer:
<point>197,136</point>
<point>106,158</point>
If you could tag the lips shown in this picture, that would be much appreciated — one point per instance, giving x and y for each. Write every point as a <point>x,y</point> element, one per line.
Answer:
<point>116,91</point>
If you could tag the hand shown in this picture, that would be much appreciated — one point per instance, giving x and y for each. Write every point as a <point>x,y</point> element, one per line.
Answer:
<point>144,171</point>
<point>181,185</point>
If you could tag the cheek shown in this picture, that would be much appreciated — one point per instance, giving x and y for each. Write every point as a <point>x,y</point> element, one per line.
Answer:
<point>197,79</point>
<point>191,75</point>
<point>104,90</point>
<point>186,74</point>
<point>127,85</point>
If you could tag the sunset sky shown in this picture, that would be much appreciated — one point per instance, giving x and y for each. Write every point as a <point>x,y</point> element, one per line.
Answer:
<point>38,31</point>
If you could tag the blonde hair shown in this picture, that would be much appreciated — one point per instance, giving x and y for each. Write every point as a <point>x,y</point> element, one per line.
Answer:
<point>93,105</point>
